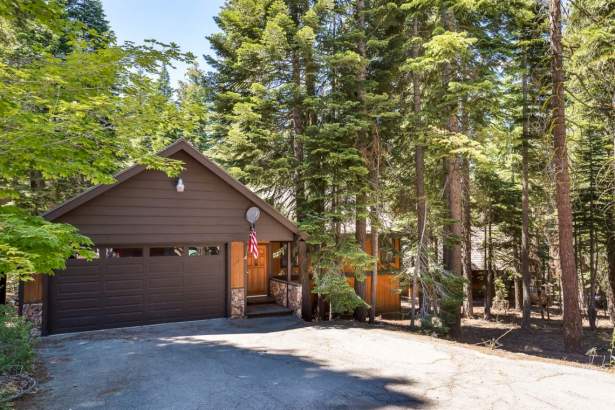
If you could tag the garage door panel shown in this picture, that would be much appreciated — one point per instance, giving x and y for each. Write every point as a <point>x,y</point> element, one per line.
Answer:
<point>124,269</point>
<point>78,288</point>
<point>77,276</point>
<point>166,314</point>
<point>164,297</point>
<point>124,285</point>
<point>78,303</point>
<point>168,282</point>
<point>165,264</point>
<point>132,291</point>
<point>77,322</point>
<point>123,300</point>
<point>123,318</point>
<point>196,281</point>
<point>197,268</point>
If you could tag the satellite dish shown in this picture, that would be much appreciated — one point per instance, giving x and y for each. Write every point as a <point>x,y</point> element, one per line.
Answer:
<point>252,215</point>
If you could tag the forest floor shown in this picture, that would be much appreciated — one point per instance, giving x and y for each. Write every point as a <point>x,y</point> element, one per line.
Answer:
<point>543,340</point>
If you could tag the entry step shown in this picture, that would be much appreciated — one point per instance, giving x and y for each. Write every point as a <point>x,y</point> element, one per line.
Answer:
<point>267,309</point>
<point>260,300</point>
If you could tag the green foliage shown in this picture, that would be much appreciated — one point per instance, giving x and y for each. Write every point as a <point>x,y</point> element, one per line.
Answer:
<point>30,244</point>
<point>449,288</point>
<point>334,288</point>
<point>75,107</point>
<point>501,292</point>
<point>430,324</point>
<point>16,352</point>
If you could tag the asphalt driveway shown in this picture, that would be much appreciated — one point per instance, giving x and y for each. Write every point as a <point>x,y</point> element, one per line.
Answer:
<point>281,363</point>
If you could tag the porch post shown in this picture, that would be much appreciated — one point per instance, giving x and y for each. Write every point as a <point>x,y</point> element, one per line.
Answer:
<point>289,272</point>
<point>289,262</point>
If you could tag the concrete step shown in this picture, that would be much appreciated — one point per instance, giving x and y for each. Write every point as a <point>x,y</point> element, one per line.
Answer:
<point>267,309</point>
<point>260,300</point>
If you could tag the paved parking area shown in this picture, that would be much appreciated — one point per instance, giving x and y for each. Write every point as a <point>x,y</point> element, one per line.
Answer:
<point>282,363</point>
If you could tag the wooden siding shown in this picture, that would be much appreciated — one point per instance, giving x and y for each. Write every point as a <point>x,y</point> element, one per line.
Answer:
<point>237,265</point>
<point>33,290</point>
<point>147,209</point>
<point>388,297</point>
<point>394,265</point>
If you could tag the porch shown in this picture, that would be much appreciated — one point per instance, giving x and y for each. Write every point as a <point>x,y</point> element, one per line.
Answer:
<point>271,288</point>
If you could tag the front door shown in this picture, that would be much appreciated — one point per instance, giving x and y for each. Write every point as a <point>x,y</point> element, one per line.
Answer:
<point>258,272</point>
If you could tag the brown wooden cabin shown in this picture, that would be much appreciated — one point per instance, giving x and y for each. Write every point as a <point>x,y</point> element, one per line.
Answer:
<point>164,254</point>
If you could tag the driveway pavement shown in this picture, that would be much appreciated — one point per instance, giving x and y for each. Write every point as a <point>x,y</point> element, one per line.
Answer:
<point>281,363</point>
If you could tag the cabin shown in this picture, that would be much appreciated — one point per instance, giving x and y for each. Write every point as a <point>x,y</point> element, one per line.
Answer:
<point>170,249</point>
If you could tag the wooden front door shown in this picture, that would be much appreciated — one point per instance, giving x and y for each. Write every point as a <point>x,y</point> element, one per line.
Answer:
<point>258,272</point>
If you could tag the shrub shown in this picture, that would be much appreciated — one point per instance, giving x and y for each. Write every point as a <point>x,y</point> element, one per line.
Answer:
<point>16,352</point>
<point>335,289</point>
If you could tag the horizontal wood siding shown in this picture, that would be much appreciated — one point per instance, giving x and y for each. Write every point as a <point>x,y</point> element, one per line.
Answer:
<point>388,297</point>
<point>147,209</point>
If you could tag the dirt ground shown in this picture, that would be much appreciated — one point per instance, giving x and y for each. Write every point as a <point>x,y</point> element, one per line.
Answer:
<point>544,339</point>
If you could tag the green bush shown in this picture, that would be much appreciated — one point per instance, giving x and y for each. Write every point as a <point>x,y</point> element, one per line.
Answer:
<point>336,290</point>
<point>16,352</point>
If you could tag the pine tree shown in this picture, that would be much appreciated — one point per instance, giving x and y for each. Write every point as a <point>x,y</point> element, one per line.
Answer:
<point>572,315</point>
<point>164,83</point>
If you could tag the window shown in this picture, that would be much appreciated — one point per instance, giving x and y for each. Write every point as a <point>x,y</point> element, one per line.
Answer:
<point>184,251</point>
<point>195,251</point>
<point>124,252</point>
<point>167,251</point>
<point>212,250</point>
<point>203,250</point>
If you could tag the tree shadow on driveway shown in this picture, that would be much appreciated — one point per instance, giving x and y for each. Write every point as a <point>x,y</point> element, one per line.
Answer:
<point>198,365</point>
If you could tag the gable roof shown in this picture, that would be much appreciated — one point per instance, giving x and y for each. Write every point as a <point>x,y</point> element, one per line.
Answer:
<point>179,145</point>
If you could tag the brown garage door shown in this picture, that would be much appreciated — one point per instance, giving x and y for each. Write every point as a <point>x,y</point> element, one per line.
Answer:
<point>131,286</point>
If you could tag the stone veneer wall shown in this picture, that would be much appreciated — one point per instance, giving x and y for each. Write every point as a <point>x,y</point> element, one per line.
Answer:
<point>278,291</point>
<point>295,298</point>
<point>238,303</point>
<point>34,313</point>
<point>287,294</point>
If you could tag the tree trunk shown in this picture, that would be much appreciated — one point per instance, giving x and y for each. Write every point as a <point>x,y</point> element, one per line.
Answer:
<point>376,255</point>
<point>306,300</point>
<point>525,210</point>
<point>361,205</point>
<point>467,242</point>
<point>421,198</point>
<point>610,249</point>
<point>487,266</point>
<point>375,219</point>
<point>3,290</point>
<point>518,280</point>
<point>452,254</point>
<point>572,316</point>
<point>360,314</point>
<point>592,313</point>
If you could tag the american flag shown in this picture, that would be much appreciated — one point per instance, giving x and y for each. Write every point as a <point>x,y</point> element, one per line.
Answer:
<point>253,244</point>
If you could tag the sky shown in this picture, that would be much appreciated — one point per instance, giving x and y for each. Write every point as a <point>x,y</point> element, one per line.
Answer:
<point>185,22</point>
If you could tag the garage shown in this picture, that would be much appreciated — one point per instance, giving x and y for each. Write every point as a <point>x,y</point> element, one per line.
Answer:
<point>129,286</point>
<point>168,248</point>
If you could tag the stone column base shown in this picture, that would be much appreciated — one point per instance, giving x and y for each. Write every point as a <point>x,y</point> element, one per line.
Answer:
<point>295,297</point>
<point>238,303</point>
<point>33,312</point>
